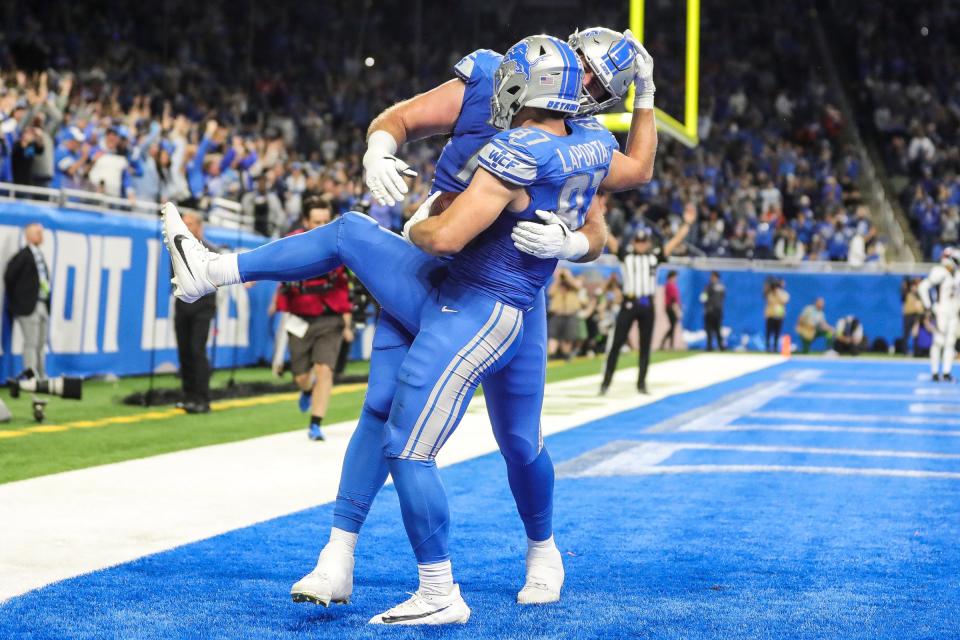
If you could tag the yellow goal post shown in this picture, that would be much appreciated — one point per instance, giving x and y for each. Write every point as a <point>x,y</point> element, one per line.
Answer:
<point>686,131</point>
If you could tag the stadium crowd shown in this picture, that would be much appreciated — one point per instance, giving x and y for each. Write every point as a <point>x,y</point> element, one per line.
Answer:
<point>906,68</point>
<point>772,179</point>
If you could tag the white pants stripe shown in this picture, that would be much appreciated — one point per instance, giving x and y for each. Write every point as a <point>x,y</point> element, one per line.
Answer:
<point>447,396</point>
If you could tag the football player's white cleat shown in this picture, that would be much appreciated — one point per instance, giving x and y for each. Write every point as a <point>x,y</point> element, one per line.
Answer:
<point>188,255</point>
<point>427,609</point>
<point>330,581</point>
<point>544,578</point>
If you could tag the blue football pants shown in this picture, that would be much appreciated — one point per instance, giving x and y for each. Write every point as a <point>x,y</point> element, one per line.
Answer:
<point>508,355</point>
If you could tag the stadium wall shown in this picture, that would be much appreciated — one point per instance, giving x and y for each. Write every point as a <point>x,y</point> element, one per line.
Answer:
<point>111,299</point>
<point>874,298</point>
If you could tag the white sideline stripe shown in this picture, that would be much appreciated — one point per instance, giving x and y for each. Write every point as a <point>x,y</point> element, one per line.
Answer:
<point>831,451</point>
<point>726,410</point>
<point>626,457</point>
<point>934,407</point>
<point>937,391</point>
<point>853,417</point>
<point>863,360</point>
<point>779,468</point>
<point>842,395</point>
<point>630,457</point>
<point>867,382</point>
<point>830,428</point>
<point>63,525</point>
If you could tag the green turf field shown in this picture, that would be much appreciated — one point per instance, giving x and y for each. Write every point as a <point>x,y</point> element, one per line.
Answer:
<point>99,429</point>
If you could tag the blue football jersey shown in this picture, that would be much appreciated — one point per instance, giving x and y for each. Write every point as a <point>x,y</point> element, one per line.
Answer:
<point>561,174</point>
<point>458,161</point>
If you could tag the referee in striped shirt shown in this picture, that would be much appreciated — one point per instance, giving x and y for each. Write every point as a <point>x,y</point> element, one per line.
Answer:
<point>638,265</point>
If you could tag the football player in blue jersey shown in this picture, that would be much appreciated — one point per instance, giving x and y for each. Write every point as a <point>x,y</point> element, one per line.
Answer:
<point>557,167</point>
<point>514,396</point>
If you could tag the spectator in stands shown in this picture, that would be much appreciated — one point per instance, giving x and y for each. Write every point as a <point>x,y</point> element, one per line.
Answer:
<point>192,325</point>
<point>109,166</point>
<point>145,178</point>
<point>775,308</point>
<point>818,249</point>
<point>565,306</point>
<point>741,245</point>
<point>950,226</point>
<point>27,282</point>
<point>789,248</point>
<point>857,251</point>
<point>25,153</point>
<point>837,247</point>
<point>203,170</point>
<point>264,208</point>
<point>925,212</point>
<point>45,115</point>
<point>921,151</point>
<point>71,161</point>
<point>713,298</point>
<point>671,303</point>
<point>813,324</point>
<point>319,320</point>
<point>295,186</point>
<point>763,241</point>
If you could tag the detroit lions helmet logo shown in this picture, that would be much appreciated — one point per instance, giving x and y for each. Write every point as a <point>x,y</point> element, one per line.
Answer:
<point>524,58</point>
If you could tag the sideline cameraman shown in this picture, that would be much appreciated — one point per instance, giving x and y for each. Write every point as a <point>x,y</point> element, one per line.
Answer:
<point>319,321</point>
<point>775,298</point>
<point>565,305</point>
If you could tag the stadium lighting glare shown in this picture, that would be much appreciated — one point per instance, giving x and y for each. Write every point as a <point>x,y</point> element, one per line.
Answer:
<point>369,62</point>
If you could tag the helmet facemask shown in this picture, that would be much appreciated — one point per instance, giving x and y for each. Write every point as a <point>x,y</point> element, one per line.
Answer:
<point>610,58</point>
<point>540,72</point>
<point>510,89</point>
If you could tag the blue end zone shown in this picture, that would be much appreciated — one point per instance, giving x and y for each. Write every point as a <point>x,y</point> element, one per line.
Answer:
<point>649,552</point>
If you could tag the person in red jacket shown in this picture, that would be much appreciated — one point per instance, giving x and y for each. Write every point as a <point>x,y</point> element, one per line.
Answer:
<point>671,301</point>
<point>319,320</point>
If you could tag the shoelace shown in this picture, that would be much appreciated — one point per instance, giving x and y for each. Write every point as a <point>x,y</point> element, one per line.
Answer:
<point>416,598</point>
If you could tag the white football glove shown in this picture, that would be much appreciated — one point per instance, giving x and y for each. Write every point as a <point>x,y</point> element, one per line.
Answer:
<point>383,171</point>
<point>421,214</point>
<point>550,239</point>
<point>642,74</point>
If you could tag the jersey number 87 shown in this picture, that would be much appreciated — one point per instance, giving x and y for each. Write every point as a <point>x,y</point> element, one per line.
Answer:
<point>575,196</point>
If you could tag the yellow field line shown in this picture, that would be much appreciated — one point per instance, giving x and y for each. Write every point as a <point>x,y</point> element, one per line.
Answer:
<point>46,428</point>
<point>163,414</point>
